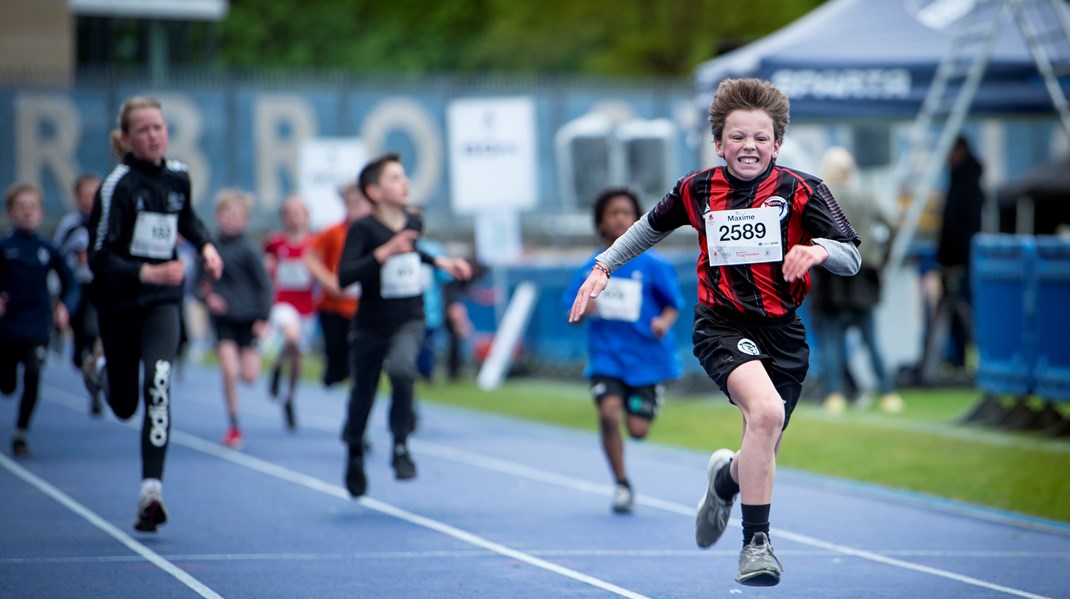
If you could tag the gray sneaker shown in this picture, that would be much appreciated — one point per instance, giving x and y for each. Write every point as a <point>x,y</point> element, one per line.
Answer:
<point>713,512</point>
<point>622,500</point>
<point>758,566</point>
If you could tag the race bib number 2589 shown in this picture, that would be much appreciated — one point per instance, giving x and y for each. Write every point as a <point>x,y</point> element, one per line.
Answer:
<point>747,236</point>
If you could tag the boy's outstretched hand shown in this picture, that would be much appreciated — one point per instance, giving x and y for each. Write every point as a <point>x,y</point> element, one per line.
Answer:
<point>596,282</point>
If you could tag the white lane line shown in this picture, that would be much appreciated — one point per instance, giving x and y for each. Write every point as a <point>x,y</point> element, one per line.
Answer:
<point>538,475</point>
<point>108,528</point>
<point>546,553</point>
<point>315,484</point>
<point>522,471</point>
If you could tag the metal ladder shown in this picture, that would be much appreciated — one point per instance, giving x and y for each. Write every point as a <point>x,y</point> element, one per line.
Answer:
<point>1045,26</point>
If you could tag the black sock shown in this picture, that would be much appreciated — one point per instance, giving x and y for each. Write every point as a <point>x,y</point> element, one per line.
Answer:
<point>624,482</point>
<point>755,520</point>
<point>356,451</point>
<point>723,485</point>
<point>233,420</point>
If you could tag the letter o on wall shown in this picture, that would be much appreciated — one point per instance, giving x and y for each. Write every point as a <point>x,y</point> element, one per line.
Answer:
<point>407,115</point>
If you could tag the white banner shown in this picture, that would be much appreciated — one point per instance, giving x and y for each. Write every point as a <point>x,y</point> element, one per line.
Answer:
<point>324,165</point>
<point>492,154</point>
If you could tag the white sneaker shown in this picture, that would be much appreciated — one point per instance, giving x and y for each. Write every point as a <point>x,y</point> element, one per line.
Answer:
<point>622,499</point>
<point>150,508</point>
<point>713,512</point>
<point>758,565</point>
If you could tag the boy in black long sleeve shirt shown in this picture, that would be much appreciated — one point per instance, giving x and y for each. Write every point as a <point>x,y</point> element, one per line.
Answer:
<point>388,328</point>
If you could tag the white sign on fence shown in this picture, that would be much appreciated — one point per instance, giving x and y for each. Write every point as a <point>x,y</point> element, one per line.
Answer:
<point>492,154</point>
<point>324,165</point>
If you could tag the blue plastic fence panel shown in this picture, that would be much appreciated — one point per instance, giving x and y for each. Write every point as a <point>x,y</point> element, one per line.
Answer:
<point>1003,312</point>
<point>1052,370</point>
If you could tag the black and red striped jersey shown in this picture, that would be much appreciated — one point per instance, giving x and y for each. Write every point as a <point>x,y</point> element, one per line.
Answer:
<point>807,210</point>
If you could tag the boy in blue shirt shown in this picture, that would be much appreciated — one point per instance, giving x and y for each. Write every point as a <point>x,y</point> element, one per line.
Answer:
<point>26,312</point>
<point>630,354</point>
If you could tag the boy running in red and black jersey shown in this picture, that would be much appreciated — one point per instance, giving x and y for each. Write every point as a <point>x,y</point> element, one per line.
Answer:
<point>761,227</point>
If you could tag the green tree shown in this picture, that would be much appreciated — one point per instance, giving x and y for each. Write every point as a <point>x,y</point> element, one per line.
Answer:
<point>644,37</point>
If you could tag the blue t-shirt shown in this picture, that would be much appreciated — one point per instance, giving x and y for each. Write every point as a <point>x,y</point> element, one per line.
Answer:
<point>620,343</point>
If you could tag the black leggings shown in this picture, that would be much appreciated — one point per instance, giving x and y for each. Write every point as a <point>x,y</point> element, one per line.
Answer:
<point>32,358</point>
<point>143,341</point>
<point>84,327</point>
<point>335,329</point>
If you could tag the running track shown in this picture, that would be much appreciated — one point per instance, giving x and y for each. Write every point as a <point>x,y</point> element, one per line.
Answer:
<point>501,508</point>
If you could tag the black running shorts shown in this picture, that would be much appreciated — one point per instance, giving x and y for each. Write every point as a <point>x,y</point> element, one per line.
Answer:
<point>238,331</point>
<point>722,344</point>
<point>642,401</point>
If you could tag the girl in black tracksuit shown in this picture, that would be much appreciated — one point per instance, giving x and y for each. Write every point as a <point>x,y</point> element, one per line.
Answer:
<point>140,209</point>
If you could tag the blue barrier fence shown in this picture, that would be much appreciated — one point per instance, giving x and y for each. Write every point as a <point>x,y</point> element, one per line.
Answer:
<point>1021,291</point>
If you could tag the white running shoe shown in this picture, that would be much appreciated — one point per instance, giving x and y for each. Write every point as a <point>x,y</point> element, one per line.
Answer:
<point>758,565</point>
<point>713,512</point>
<point>151,512</point>
<point>622,499</point>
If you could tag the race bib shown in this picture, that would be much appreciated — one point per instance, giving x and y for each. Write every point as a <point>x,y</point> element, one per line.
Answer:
<point>155,235</point>
<point>747,236</point>
<point>292,275</point>
<point>622,299</point>
<point>400,276</point>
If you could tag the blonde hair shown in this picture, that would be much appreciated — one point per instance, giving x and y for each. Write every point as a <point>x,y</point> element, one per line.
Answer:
<point>233,196</point>
<point>18,189</point>
<point>749,94</point>
<point>118,148</point>
<point>837,165</point>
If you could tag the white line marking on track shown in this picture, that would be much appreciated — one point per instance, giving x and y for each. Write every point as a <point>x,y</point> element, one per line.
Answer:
<point>520,470</point>
<point>546,553</point>
<point>523,471</point>
<point>107,528</point>
<point>316,484</point>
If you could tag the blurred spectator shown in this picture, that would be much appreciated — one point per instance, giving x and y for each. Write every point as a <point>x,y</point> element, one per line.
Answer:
<point>840,303</point>
<point>961,219</point>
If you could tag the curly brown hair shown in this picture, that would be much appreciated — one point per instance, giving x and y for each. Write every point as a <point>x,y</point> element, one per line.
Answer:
<point>749,94</point>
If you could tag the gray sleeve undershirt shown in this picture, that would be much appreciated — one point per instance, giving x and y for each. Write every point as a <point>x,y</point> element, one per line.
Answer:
<point>844,259</point>
<point>639,238</point>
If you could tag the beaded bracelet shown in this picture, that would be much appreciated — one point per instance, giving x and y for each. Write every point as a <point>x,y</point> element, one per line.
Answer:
<point>604,270</point>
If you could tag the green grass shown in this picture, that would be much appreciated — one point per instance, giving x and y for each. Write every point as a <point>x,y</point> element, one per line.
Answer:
<point>923,449</point>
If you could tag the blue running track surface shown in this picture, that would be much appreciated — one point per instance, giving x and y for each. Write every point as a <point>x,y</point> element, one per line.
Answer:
<point>500,508</point>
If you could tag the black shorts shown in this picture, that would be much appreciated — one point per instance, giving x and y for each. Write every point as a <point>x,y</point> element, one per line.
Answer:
<point>723,344</point>
<point>642,401</point>
<point>238,331</point>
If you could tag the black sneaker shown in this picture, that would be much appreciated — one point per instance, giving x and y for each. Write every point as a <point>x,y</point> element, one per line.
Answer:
<point>19,448</point>
<point>151,512</point>
<point>356,481</point>
<point>404,468</point>
<point>288,412</point>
